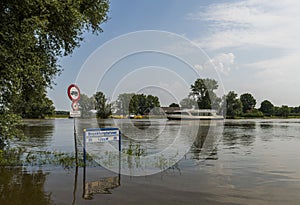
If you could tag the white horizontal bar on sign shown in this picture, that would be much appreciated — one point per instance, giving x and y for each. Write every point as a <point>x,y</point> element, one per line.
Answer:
<point>92,139</point>
<point>101,133</point>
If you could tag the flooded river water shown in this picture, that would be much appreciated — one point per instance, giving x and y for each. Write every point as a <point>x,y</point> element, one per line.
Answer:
<point>162,162</point>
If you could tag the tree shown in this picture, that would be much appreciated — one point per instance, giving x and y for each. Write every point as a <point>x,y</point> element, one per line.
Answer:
<point>34,105</point>
<point>248,102</point>
<point>152,102</point>
<point>137,104</point>
<point>295,111</point>
<point>174,105</point>
<point>233,105</point>
<point>152,105</point>
<point>33,34</point>
<point>102,106</point>
<point>142,104</point>
<point>282,111</point>
<point>203,92</point>
<point>123,102</point>
<point>188,103</point>
<point>86,104</point>
<point>267,108</point>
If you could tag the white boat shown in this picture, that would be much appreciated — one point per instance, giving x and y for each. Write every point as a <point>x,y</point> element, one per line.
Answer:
<point>191,114</point>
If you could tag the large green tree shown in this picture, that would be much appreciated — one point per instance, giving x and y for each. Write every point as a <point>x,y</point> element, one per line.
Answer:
<point>248,102</point>
<point>33,35</point>
<point>122,103</point>
<point>142,104</point>
<point>233,104</point>
<point>86,104</point>
<point>203,92</point>
<point>267,108</point>
<point>102,105</point>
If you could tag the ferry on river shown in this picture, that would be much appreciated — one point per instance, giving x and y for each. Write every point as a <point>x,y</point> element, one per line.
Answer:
<point>191,114</point>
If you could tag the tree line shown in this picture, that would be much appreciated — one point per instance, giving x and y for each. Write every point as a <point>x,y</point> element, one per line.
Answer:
<point>203,96</point>
<point>126,104</point>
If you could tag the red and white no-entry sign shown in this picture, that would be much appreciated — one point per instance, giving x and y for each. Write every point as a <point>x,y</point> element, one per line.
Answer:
<point>73,93</point>
<point>75,106</point>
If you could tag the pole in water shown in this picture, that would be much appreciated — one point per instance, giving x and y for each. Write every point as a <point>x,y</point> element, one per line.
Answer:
<point>120,138</point>
<point>75,143</point>
<point>84,146</point>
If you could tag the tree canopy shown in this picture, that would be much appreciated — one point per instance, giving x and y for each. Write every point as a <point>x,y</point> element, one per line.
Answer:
<point>102,106</point>
<point>142,104</point>
<point>267,108</point>
<point>203,92</point>
<point>233,104</point>
<point>248,102</point>
<point>122,103</point>
<point>86,104</point>
<point>33,34</point>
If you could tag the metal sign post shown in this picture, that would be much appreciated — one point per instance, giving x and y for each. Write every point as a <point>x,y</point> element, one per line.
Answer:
<point>74,95</point>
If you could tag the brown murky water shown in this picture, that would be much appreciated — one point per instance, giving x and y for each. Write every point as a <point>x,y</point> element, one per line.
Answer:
<point>242,162</point>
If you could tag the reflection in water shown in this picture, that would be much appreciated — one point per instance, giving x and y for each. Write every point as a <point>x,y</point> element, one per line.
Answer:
<point>239,133</point>
<point>154,145</point>
<point>19,187</point>
<point>266,125</point>
<point>206,142</point>
<point>38,132</point>
<point>150,146</point>
<point>101,186</point>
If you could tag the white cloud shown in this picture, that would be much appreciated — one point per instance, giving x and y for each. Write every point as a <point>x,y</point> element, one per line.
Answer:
<point>222,62</point>
<point>198,67</point>
<point>252,22</point>
<point>279,70</point>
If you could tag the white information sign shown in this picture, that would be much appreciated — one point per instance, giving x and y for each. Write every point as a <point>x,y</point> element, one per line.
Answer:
<point>102,135</point>
<point>75,113</point>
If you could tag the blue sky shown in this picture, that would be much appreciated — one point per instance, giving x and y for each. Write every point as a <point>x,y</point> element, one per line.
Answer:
<point>253,45</point>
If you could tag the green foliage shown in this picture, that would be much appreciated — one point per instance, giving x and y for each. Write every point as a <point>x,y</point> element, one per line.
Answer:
<point>267,108</point>
<point>9,128</point>
<point>141,104</point>
<point>37,106</point>
<point>283,111</point>
<point>33,34</point>
<point>253,113</point>
<point>233,105</point>
<point>203,91</point>
<point>248,102</point>
<point>86,104</point>
<point>295,111</point>
<point>102,106</point>
<point>61,113</point>
<point>188,103</point>
<point>122,103</point>
<point>174,105</point>
<point>10,157</point>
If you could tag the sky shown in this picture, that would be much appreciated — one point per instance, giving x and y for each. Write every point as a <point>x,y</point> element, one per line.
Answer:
<point>161,47</point>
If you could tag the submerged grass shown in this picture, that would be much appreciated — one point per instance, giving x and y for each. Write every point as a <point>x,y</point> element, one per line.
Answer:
<point>19,157</point>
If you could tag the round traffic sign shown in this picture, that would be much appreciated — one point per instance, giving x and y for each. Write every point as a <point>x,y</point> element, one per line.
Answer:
<point>75,105</point>
<point>73,92</point>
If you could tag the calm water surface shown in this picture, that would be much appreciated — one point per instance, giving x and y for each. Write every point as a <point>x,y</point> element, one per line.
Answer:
<point>238,162</point>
